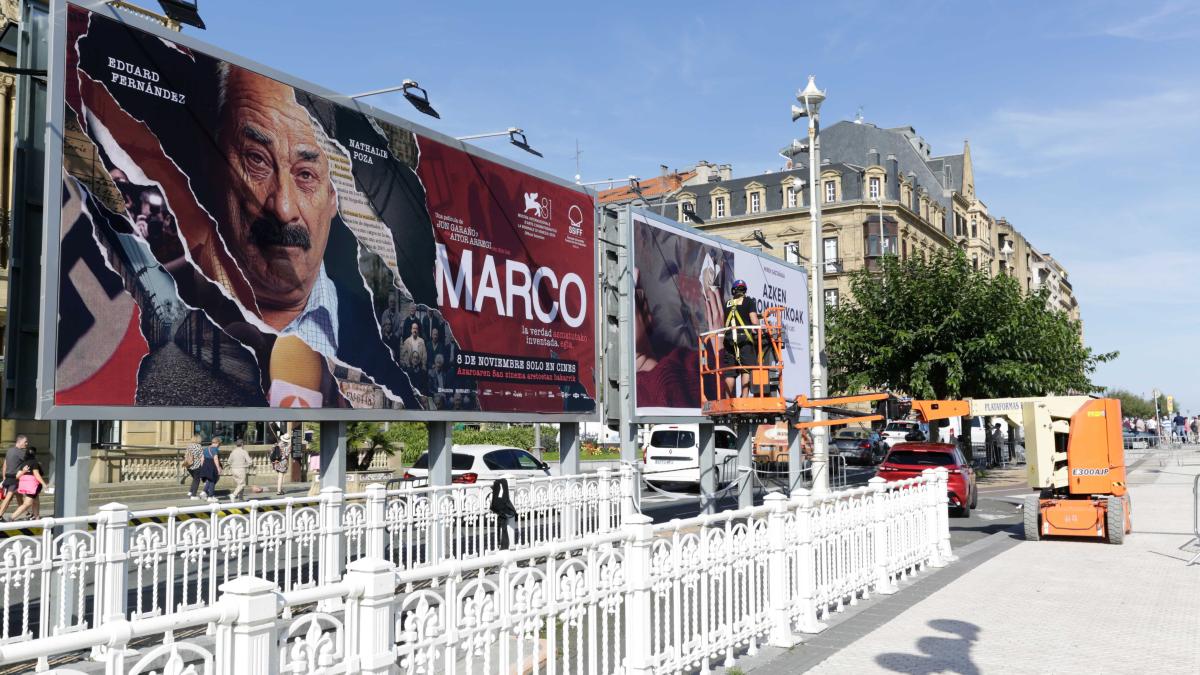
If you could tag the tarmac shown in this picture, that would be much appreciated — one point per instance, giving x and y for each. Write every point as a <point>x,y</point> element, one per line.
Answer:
<point>1054,606</point>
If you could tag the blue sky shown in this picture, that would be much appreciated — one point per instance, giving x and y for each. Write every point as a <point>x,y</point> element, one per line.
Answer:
<point>1083,117</point>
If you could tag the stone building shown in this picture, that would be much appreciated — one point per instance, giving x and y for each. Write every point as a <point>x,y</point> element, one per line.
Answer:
<point>869,176</point>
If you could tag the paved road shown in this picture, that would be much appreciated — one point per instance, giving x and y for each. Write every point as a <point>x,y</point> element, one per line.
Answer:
<point>996,511</point>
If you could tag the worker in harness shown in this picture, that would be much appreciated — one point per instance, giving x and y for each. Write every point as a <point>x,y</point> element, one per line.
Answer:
<point>740,343</point>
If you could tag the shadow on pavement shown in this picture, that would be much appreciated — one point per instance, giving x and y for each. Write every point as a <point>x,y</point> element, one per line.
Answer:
<point>938,654</point>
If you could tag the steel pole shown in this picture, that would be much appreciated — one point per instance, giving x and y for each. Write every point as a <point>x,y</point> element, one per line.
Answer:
<point>820,461</point>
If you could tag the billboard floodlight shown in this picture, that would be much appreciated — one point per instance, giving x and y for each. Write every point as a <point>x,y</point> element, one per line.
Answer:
<point>183,11</point>
<point>516,136</point>
<point>413,93</point>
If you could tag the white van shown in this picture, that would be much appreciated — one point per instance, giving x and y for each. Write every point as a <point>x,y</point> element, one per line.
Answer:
<point>672,454</point>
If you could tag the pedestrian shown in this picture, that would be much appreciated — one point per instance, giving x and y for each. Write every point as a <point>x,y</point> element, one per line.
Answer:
<point>1140,425</point>
<point>997,444</point>
<point>239,465</point>
<point>314,473</point>
<point>280,462</point>
<point>193,457</point>
<point>1196,429</point>
<point>1178,424</point>
<point>30,483</point>
<point>740,353</point>
<point>210,468</point>
<point>12,464</point>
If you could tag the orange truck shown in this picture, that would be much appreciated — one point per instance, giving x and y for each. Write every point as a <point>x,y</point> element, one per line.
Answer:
<point>1075,455</point>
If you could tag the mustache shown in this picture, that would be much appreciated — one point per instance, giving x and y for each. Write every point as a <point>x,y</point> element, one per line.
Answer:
<point>270,232</point>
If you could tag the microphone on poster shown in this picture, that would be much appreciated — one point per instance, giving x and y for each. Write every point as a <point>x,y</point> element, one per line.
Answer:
<point>295,374</point>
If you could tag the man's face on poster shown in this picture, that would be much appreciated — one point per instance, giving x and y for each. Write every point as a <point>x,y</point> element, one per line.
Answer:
<point>279,199</point>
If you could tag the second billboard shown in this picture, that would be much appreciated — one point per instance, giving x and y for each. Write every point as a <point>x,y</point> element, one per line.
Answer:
<point>682,280</point>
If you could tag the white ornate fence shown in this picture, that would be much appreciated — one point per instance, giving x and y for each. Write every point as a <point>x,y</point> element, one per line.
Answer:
<point>679,596</point>
<point>67,575</point>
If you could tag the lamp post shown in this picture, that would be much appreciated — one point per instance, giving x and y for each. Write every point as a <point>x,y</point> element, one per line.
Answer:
<point>810,106</point>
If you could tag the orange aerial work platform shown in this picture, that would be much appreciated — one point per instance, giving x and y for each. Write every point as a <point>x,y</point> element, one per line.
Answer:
<point>761,399</point>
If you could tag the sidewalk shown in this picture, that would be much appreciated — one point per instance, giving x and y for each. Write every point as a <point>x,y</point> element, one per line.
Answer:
<point>1058,606</point>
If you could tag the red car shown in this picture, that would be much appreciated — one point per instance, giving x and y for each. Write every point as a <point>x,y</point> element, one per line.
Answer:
<point>908,460</point>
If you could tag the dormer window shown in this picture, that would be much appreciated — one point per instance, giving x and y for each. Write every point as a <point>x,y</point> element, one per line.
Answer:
<point>830,191</point>
<point>873,188</point>
<point>755,202</point>
<point>791,196</point>
<point>719,207</point>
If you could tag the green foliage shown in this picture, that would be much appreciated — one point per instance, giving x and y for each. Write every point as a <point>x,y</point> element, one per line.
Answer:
<point>1132,405</point>
<point>942,329</point>
<point>411,439</point>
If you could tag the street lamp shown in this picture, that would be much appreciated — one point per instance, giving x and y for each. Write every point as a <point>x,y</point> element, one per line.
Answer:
<point>515,135</point>
<point>810,99</point>
<point>413,93</point>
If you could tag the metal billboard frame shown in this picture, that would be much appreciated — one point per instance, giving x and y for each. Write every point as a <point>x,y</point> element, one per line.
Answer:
<point>628,356</point>
<point>51,233</point>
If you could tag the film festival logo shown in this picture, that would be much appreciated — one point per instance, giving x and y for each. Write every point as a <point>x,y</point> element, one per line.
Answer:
<point>539,207</point>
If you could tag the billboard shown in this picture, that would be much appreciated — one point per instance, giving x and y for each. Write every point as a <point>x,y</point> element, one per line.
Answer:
<point>682,279</point>
<point>232,242</point>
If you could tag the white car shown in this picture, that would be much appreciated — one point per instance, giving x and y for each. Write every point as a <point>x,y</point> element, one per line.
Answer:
<point>896,430</point>
<point>672,454</point>
<point>471,464</point>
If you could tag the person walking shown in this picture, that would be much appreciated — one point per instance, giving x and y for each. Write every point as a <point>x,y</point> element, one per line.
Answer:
<point>193,457</point>
<point>210,468</point>
<point>30,483</point>
<point>280,462</point>
<point>239,465</point>
<point>1177,427</point>
<point>12,464</point>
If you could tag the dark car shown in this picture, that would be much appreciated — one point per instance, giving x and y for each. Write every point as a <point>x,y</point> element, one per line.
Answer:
<point>856,446</point>
<point>908,460</point>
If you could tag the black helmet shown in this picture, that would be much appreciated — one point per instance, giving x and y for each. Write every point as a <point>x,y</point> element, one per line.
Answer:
<point>739,285</point>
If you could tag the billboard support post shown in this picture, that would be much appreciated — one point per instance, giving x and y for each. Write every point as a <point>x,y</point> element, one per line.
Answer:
<point>333,455</point>
<point>625,348</point>
<point>745,465</point>
<point>708,470</point>
<point>72,441</point>
<point>441,447</point>
<point>795,459</point>
<point>568,449</point>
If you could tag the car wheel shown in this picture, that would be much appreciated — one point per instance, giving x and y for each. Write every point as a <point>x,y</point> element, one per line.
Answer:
<point>974,497</point>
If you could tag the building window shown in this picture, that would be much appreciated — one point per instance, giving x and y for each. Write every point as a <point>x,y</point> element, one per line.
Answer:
<point>791,197</point>
<point>975,261</point>
<point>791,252</point>
<point>755,202</point>
<point>720,204</point>
<point>831,297</point>
<point>830,191</point>
<point>874,187</point>
<point>830,254</point>
<point>685,207</point>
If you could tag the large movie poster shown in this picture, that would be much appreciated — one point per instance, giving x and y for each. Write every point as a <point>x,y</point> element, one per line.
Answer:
<point>230,240</point>
<point>682,280</point>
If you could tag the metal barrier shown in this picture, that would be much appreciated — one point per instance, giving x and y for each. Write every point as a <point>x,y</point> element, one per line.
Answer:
<point>687,595</point>
<point>62,575</point>
<point>1195,518</point>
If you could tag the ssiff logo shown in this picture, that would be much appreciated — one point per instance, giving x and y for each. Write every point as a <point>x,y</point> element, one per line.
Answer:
<point>540,208</point>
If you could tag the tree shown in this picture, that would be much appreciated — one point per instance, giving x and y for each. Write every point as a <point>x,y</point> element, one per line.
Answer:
<point>1132,405</point>
<point>940,328</point>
